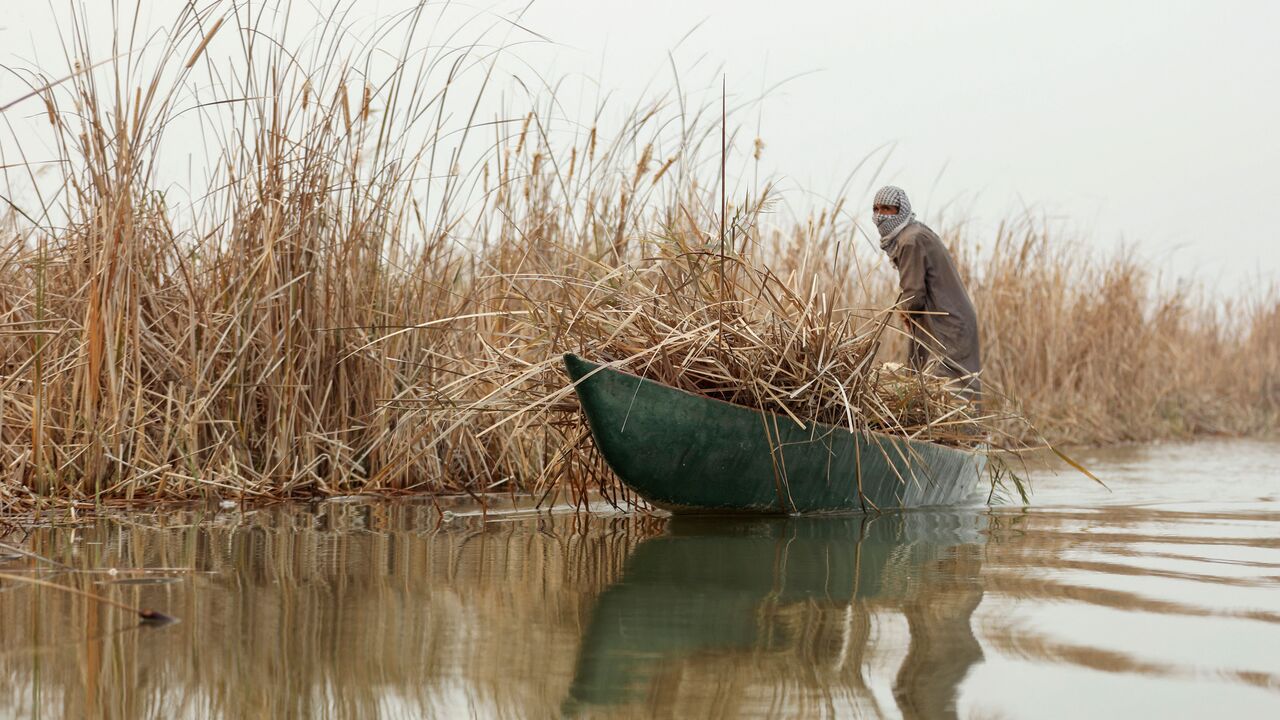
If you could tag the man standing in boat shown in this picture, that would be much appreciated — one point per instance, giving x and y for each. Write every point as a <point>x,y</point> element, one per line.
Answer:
<point>936,308</point>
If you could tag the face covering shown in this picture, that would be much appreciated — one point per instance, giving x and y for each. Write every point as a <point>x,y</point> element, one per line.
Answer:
<point>890,225</point>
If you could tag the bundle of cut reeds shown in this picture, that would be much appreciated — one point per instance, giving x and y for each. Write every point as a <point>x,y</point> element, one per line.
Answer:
<point>740,333</point>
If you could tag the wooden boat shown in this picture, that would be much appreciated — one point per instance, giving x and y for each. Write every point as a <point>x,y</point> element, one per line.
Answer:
<point>692,454</point>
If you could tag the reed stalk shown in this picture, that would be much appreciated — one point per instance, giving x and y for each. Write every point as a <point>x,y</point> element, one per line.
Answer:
<point>368,290</point>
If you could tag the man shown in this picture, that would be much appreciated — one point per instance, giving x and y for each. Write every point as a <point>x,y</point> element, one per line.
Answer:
<point>937,310</point>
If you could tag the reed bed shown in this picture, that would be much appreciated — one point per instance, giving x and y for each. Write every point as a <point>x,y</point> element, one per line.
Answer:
<point>368,289</point>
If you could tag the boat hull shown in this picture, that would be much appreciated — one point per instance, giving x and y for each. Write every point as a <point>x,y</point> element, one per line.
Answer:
<point>691,454</point>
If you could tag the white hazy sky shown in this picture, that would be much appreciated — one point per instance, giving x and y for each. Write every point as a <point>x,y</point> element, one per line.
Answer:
<point>1151,122</point>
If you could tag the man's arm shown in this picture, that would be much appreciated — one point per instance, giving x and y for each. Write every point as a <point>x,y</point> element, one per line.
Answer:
<point>911,277</point>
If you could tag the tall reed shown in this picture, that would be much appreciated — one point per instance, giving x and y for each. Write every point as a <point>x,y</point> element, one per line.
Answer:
<point>363,240</point>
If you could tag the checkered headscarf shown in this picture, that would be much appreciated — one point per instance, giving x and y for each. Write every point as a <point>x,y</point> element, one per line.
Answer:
<point>890,225</point>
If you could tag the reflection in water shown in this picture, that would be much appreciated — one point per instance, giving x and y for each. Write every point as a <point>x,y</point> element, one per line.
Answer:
<point>790,600</point>
<point>345,611</point>
<point>391,610</point>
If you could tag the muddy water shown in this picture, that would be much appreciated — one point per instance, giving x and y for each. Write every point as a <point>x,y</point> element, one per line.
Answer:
<point>1160,598</point>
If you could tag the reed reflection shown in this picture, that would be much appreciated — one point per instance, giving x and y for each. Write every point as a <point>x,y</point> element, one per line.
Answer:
<point>336,611</point>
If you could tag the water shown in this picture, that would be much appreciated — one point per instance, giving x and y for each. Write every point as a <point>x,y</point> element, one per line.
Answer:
<point>1160,598</point>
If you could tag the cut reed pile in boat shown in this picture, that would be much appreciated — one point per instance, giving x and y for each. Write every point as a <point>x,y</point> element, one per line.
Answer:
<point>760,345</point>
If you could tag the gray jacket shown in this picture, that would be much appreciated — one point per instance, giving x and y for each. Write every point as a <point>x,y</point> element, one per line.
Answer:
<point>931,284</point>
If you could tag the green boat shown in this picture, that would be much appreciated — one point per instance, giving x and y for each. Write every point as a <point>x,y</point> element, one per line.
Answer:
<point>691,454</point>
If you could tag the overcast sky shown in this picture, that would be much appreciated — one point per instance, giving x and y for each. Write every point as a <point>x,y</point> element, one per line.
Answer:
<point>1155,122</point>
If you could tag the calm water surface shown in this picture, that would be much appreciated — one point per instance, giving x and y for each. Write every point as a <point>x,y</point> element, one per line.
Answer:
<point>1158,599</point>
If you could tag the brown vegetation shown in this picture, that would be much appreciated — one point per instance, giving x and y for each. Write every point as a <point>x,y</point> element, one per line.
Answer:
<point>324,320</point>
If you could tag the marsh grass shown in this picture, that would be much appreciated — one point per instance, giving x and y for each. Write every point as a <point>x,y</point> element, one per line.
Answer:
<point>368,289</point>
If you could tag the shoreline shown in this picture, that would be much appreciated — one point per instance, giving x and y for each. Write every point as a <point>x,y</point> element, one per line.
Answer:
<point>450,505</point>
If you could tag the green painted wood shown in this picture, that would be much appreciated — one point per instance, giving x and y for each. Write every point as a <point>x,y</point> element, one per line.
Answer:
<point>688,453</point>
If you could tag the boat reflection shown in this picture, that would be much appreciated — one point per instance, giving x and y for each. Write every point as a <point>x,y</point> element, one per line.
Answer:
<point>792,602</point>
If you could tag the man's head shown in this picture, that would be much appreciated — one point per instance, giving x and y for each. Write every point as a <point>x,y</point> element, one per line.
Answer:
<point>892,210</point>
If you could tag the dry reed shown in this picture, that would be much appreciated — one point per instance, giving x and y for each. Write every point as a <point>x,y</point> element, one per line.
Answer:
<point>341,305</point>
